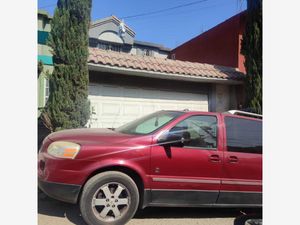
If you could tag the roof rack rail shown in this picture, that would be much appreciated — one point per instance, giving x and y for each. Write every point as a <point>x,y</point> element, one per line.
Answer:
<point>244,113</point>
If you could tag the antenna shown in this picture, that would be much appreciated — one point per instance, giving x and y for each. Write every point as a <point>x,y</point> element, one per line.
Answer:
<point>122,28</point>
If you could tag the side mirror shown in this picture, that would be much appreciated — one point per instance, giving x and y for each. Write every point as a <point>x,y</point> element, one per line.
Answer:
<point>163,139</point>
<point>178,139</point>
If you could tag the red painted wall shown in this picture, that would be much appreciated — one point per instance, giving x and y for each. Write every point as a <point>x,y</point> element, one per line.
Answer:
<point>219,45</point>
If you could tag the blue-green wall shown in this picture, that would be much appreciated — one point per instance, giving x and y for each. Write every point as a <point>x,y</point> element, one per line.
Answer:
<point>47,60</point>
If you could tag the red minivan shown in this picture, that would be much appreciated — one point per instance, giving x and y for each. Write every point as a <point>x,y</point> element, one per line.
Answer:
<point>168,158</point>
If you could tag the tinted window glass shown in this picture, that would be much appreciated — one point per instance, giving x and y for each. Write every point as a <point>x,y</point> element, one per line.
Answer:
<point>200,130</point>
<point>243,135</point>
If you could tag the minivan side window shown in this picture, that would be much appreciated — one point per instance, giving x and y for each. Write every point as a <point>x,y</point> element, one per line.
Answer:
<point>200,130</point>
<point>243,135</point>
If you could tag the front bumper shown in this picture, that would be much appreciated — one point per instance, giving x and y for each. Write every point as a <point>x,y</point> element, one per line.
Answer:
<point>63,192</point>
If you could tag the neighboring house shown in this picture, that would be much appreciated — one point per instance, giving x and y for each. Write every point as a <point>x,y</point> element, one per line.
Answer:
<point>45,56</point>
<point>112,34</point>
<point>130,78</point>
<point>221,45</point>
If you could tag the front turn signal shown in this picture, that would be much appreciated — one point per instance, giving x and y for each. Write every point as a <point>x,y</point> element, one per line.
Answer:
<point>63,149</point>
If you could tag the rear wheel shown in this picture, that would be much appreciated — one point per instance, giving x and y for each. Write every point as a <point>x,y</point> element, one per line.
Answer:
<point>109,198</point>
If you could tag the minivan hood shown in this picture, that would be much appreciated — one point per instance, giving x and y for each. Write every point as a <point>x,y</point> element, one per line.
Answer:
<point>98,135</point>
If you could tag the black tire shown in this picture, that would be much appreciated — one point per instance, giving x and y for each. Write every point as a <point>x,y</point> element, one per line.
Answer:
<point>91,188</point>
<point>241,220</point>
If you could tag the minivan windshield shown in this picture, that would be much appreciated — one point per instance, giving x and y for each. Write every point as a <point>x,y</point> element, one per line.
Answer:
<point>149,123</point>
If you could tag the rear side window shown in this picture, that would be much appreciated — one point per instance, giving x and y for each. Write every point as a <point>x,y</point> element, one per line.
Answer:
<point>243,135</point>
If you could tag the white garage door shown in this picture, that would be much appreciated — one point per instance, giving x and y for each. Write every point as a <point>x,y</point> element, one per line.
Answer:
<point>113,106</point>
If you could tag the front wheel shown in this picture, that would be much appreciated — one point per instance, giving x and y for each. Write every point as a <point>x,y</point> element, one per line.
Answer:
<point>109,198</point>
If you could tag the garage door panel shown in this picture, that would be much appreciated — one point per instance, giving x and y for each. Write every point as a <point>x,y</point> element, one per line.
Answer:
<point>131,110</point>
<point>115,105</point>
<point>110,109</point>
<point>147,109</point>
<point>109,125</point>
<point>109,122</point>
<point>167,106</point>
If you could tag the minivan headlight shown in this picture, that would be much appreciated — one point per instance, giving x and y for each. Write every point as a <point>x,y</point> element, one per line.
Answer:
<point>63,149</point>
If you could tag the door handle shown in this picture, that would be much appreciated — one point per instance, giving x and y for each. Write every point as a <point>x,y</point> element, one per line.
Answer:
<point>214,158</point>
<point>233,159</point>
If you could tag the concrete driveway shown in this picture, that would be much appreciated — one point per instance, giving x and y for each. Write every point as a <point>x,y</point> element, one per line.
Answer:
<point>52,212</point>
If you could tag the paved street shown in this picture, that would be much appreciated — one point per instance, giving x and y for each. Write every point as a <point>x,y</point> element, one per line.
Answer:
<point>52,212</point>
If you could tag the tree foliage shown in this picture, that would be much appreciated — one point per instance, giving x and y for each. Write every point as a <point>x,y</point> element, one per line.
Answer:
<point>40,67</point>
<point>252,49</point>
<point>68,105</point>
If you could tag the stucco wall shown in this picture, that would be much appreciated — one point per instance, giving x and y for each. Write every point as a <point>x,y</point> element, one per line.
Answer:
<point>110,26</point>
<point>44,50</point>
<point>42,85</point>
<point>44,21</point>
<point>222,98</point>
<point>219,45</point>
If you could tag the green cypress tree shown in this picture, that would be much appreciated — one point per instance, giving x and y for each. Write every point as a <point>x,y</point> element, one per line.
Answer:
<point>40,67</point>
<point>252,50</point>
<point>68,105</point>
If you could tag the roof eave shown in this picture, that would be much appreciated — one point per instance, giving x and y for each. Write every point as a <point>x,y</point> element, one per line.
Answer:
<point>44,13</point>
<point>159,75</point>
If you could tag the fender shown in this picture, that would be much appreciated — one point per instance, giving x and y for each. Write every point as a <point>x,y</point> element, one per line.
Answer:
<point>133,165</point>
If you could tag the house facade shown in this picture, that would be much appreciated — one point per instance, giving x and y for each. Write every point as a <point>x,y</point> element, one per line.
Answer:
<point>221,45</point>
<point>124,87</point>
<point>44,56</point>
<point>130,78</point>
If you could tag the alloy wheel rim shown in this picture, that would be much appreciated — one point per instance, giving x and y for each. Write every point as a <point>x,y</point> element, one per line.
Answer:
<point>111,201</point>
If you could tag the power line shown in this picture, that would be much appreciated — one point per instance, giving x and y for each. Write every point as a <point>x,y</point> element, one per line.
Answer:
<point>148,13</point>
<point>164,10</point>
<point>242,2</point>
<point>239,5</point>
<point>189,12</point>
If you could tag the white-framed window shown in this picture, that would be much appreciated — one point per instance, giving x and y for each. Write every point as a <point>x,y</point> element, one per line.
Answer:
<point>148,52</point>
<point>46,90</point>
<point>108,46</point>
<point>144,52</point>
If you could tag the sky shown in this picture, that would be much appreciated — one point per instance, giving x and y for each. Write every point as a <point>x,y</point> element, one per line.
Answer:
<point>170,28</point>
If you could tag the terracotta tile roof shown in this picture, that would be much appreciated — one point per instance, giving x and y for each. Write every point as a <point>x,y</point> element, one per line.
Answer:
<point>169,66</point>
